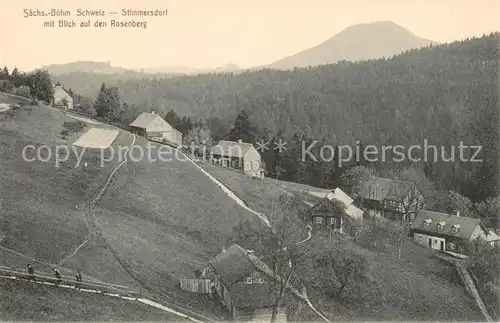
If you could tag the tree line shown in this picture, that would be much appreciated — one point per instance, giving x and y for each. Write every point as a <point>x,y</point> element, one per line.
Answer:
<point>38,81</point>
<point>444,94</point>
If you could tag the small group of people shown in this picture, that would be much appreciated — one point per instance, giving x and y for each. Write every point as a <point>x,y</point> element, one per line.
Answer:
<point>57,274</point>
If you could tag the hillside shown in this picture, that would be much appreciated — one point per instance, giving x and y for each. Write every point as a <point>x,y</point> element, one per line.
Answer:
<point>23,301</point>
<point>419,286</point>
<point>157,221</point>
<point>355,43</point>
<point>440,95</point>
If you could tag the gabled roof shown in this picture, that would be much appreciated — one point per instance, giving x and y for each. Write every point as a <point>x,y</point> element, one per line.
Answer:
<point>339,195</point>
<point>350,209</point>
<point>379,189</point>
<point>62,87</point>
<point>232,264</point>
<point>492,236</point>
<point>467,225</point>
<point>145,120</point>
<point>231,148</point>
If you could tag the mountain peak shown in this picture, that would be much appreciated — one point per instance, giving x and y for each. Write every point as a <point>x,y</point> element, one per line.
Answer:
<point>357,42</point>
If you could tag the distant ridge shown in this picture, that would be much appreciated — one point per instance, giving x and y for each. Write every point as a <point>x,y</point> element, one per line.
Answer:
<point>107,68</point>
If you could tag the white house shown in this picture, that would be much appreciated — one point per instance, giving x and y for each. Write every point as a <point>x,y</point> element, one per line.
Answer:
<point>238,155</point>
<point>62,98</point>
<point>447,232</point>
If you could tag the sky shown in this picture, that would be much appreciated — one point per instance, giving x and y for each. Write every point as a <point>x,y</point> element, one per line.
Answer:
<point>213,33</point>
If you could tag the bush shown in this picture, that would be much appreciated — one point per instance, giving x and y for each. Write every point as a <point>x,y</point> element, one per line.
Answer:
<point>378,234</point>
<point>71,127</point>
<point>6,86</point>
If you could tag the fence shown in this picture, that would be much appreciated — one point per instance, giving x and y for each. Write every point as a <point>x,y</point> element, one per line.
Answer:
<point>69,281</point>
<point>202,286</point>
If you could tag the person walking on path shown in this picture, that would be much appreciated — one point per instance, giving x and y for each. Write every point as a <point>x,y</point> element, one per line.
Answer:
<point>78,279</point>
<point>31,272</point>
<point>58,276</point>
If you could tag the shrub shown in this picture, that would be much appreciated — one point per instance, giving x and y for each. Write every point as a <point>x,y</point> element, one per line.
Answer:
<point>71,127</point>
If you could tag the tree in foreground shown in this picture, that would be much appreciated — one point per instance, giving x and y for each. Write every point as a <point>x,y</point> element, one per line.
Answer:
<point>277,245</point>
<point>108,104</point>
<point>40,86</point>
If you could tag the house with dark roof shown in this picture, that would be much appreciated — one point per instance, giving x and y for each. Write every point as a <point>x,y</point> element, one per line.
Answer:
<point>154,127</point>
<point>389,198</point>
<point>336,211</point>
<point>243,284</point>
<point>447,232</point>
<point>238,155</point>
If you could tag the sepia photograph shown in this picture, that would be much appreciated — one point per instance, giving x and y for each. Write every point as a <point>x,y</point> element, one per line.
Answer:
<point>249,161</point>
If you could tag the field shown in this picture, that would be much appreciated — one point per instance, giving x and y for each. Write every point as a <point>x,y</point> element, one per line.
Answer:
<point>23,301</point>
<point>418,286</point>
<point>156,222</point>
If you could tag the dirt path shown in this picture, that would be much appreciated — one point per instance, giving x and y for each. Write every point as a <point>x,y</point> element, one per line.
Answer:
<point>472,290</point>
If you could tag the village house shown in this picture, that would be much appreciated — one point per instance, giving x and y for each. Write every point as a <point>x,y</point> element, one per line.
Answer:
<point>62,98</point>
<point>447,232</point>
<point>154,127</point>
<point>238,155</point>
<point>242,284</point>
<point>392,199</point>
<point>335,211</point>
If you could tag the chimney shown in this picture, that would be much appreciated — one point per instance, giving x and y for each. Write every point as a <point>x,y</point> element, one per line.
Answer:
<point>223,248</point>
<point>152,112</point>
<point>250,252</point>
<point>240,141</point>
<point>458,213</point>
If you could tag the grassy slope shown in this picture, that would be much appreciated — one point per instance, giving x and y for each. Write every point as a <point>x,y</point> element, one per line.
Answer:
<point>414,286</point>
<point>162,219</point>
<point>35,302</point>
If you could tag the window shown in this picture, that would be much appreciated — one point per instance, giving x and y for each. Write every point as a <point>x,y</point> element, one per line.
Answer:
<point>455,228</point>
<point>249,280</point>
<point>440,225</point>
<point>427,223</point>
<point>318,220</point>
<point>261,281</point>
<point>332,221</point>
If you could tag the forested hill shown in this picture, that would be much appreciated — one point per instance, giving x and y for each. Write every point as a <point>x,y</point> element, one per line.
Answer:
<point>445,94</point>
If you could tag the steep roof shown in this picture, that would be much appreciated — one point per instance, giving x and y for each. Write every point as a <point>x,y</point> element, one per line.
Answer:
<point>467,225</point>
<point>351,210</point>
<point>492,236</point>
<point>146,119</point>
<point>232,264</point>
<point>339,195</point>
<point>231,148</point>
<point>379,189</point>
<point>62,87</point>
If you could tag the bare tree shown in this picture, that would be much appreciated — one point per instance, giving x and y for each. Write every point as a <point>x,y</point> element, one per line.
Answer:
<point>338,267</point>
<point>409,199</point>
<point>64,102</point>
<point>277,245</point>
<point>286,232</point>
